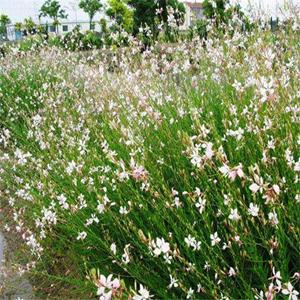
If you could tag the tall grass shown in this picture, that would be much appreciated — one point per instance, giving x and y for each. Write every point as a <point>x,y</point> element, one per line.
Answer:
<point>175,170</point>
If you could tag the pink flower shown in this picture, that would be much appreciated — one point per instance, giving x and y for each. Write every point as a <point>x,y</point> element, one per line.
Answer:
<point>232,173</point>
<point>107,287</point>
<point>254,188</point>
<point>138,172</point>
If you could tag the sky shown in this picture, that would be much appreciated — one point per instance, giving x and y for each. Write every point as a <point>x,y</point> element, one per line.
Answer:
<point>18,10</point>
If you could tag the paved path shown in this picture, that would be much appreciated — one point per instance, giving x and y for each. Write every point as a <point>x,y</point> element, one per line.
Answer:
<point>16,287</point>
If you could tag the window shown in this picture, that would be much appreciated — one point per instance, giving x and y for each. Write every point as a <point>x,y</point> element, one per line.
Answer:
<point>65,28</point>
<point>52,28</point>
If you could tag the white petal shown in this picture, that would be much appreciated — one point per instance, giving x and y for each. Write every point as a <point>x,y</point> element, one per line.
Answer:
<point>254,187</point>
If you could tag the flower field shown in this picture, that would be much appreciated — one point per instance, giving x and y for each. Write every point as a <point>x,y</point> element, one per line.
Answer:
<point>169,173</point>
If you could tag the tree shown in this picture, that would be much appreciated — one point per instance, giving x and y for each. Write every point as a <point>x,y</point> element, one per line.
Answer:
<point>53,10</point>
<point>121,13</point>
<point>29,26</point>
<point>215,9</point>
<point>152,12</point>
<point>222,12</point>
<point>91,7</point>
<point>4,21</point>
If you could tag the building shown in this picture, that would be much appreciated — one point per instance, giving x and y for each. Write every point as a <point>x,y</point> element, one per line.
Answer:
<point>62,28</point>
<point>193,12</point>
<point>68,26</point>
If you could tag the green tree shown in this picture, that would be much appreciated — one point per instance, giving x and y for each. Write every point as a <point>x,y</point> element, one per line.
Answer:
<point>152,12</point>
<point>215,9</point>
<point>121,13</point>
<point>222,12</point>
<point>53,10</point>
<point>4,21</point>
<point>91,7</point>
<point>29,25</point>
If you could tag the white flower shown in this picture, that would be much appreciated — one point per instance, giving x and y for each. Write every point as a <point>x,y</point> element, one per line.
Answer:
<point>123,210</point>
<point>22,157</point>
<point>297,166</point>
<point>190,293</point>
<point>232,173</point>
<point>276,189</point>
<point>201,204</point>
<point>254,187</point>
<point>161,247</point>
<point>215,239</point>
<point>113,248</point>
<point>143,294</point>
<point>199,288</point>
<point>291,292</point>
<point>173,282</point>
<point>231,272</point>
<point>273,218</point>
<point>224,170</point>
<point>234,215</point>
<point>258,185</point>
<point>106,286</point>
<point>63,201</point>
<point>71,167</point>
<point>36,120</point>
<point>100,208</point>
<point>81,235</point>
<point>253,210</point>
<point>209,153</point>
<point>196,159</point>
<point>191,242</point>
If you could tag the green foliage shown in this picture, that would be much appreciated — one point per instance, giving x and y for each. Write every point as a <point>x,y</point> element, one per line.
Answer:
<point>53,10</point>
<point>76,40</point>
<point>121,13</point>
<point>4,21</point>
<point>200,29</point>
<point>91,7</point>
<point>29,25</point>
<point>151,13</point>
<point>165,145</point>
<point>106,33</point>
<point>222,12</point>
<point>215,9</point>
<point>18,26</point>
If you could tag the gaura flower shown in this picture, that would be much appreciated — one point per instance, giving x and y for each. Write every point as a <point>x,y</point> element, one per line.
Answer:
<point>143,294</point>
<point>160,246</point>
<point>107,287</point>
<point>253,210</point>
<point>290,291</point>
<point>215,239</point>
